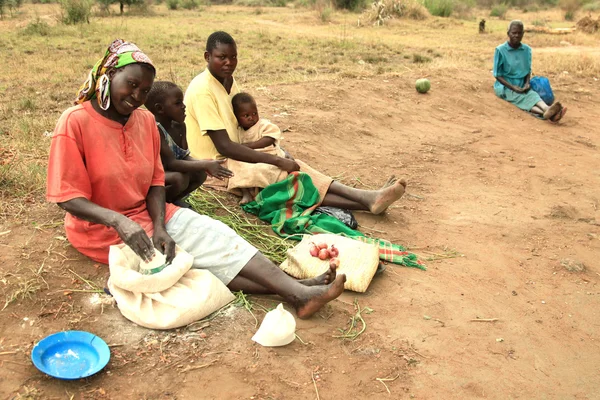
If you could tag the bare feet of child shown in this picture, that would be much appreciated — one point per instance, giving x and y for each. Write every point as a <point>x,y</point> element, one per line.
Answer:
<point>318,296</point>
<point>324,279</point>
<point>383,198</point>
<point>246,197</point>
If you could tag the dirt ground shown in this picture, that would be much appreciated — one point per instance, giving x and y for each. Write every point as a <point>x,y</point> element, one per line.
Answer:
<point>497,204</point>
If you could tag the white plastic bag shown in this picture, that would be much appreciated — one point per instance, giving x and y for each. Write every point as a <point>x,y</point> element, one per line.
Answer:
<point>277,329</point>
<point>173,297</point>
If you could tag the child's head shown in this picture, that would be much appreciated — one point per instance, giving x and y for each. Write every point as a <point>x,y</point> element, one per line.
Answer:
<point>221,55</point>
<point>166,100</point>
<point>245,110</point>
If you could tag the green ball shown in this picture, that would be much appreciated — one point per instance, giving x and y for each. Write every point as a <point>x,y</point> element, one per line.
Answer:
<point>423,85</point>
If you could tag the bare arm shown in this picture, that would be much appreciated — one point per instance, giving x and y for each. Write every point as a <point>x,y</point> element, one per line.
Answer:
<point>189,164</point>
<point>130,232</point>
<point>527,86</point>
<point>155,203</point>
<point>261,143</point>
<point>508,85</point>
<point>239,152</point>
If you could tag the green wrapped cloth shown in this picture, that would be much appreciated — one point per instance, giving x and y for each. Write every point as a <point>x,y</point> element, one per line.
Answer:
<point>288,205</point>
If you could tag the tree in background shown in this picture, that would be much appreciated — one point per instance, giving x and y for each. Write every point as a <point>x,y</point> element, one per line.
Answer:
<point>105,4</point>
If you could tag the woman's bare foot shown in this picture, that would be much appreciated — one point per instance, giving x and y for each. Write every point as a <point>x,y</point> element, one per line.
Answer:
<point>320,296</point>
<point>552,110</point>
<point>324,279</point>
<point>559,115</point>
<point>246,197</point>
<point>383,198</point>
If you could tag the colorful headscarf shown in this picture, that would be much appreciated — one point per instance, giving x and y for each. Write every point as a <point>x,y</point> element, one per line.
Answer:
<point>119,54</point>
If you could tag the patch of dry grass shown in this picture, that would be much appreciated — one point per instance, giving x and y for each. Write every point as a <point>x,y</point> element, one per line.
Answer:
<point>23,290</point>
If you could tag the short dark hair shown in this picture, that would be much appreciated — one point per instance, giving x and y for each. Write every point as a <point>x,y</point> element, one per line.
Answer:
<point>241,98</point>
<point>218,37</point>
<point>157,94</point>
<point>515,22</point>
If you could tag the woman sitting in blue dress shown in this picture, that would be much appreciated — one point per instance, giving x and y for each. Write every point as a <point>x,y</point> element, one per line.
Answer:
<point>512,70</point>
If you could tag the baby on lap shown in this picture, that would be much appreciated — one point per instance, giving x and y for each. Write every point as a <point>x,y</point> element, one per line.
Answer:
<point>258,134</point>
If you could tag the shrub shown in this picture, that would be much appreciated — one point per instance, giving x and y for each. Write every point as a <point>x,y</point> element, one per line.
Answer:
<point>594,6</point>
<point>2,6</point>
<point>137,7</point>
<point>75,11</point>
<point>415,10</point>
<point>439,8</point>
<point>325,14</point>
<point>499,10</point>
<point>352,5</point>
<point>570,7</point>
<point>420,59</point>
<point>189,4</point>
<point>37,27</point>
<point>381,11</point>
<point>11,5</point>
<point>172,4</point>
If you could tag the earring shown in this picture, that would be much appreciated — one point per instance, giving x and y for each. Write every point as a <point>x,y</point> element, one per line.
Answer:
<point>103,92</point>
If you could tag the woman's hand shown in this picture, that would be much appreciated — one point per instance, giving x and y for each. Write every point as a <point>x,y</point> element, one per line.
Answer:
<point>287,165</point>
<point>134,236</point>
<point>526,88</point>
<point>215,168</point>
<point>164,243</point>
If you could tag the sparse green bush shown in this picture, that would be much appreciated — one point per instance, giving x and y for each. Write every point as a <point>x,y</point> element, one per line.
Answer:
<point>420,59</point>
<point>189,4</point>
<point>2,6</point>
<point>138,7</point>
<point>172,4</point>
<point>11,5</point>
<point>75,11</point>
<point>37,27</point>
<point>439,8</point>
<point>570,7</point>
<point>593,6</point>
<point>325,14</point>
<point>499,10</point>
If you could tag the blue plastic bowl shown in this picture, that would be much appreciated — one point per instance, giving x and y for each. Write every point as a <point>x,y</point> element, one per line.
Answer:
<point>70,354</point>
